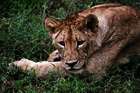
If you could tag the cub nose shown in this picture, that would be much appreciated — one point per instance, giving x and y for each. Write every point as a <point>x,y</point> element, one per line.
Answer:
<point>72,63</point>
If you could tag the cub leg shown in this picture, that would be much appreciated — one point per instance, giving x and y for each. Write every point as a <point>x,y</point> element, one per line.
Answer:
<point>101,61</point>
<point>54,56</point>
<point>130,50</point>
<point>41,69</point>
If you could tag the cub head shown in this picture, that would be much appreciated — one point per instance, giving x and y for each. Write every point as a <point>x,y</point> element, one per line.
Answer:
<point>75,38</point>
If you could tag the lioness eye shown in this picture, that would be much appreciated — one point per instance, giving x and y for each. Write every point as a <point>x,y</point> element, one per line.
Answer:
<point>80,43</point>
<point>61,44</point>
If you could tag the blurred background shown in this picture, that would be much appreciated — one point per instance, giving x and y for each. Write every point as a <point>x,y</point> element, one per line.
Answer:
<point>23,35</point>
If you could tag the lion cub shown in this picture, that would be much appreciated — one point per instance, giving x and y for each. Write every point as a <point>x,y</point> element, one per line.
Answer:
<point>90,41</point>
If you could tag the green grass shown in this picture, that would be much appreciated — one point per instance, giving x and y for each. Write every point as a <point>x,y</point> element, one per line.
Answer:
<point>23,35</point>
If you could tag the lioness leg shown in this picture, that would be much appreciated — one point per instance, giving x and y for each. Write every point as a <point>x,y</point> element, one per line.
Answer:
<point>41,69</point>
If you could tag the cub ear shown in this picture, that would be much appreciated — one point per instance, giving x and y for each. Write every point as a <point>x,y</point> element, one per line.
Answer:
<point>51,23</point>
<point>91,22</point>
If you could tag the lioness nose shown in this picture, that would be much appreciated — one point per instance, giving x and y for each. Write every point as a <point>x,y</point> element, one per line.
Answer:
<point>71,63</point>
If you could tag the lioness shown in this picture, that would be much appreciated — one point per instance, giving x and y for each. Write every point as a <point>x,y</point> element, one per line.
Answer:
<point>90,41</point>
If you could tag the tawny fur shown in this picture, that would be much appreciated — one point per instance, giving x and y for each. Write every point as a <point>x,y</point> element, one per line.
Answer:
<point>115,28</point>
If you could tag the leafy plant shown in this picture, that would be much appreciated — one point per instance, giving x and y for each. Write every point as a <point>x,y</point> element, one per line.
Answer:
<point>23,35</point>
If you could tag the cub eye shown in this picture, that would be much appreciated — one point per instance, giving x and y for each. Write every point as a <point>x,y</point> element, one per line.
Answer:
<point>61,44</point>
<point>80,43</point>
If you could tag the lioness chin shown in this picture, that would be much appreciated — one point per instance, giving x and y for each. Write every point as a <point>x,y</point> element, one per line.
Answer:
<point>90,41</point>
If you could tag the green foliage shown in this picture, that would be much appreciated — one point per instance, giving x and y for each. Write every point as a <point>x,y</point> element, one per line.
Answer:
<point>22,34</point>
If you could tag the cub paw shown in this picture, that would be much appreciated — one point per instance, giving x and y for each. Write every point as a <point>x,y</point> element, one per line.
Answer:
<point>55,56</point>
<point>23,64</point>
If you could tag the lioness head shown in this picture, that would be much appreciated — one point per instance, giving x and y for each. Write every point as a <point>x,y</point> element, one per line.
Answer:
<point>74,37</point>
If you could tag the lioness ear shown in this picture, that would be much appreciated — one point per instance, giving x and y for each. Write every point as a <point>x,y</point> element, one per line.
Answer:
<point>91,22</point>
<point>51,23</point>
